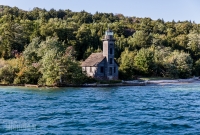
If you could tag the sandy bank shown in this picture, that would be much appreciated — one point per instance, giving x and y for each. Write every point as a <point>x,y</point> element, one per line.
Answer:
<point>191,80</point>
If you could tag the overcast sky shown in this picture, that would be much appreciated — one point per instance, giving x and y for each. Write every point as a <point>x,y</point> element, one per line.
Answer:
<point>167,9</point>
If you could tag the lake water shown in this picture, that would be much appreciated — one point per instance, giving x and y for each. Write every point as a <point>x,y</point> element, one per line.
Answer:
<point>167,109</point>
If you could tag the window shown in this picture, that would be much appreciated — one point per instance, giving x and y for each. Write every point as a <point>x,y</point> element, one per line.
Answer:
<point>111,51</point>
<point>114,69</point>
<point>90,69</point>
<point>111,60</point>
<point>110,71</point>
<point>101,69</point>
<point>84,68</point>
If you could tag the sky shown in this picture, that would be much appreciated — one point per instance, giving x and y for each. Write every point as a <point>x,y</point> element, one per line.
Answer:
<point>156,9</point>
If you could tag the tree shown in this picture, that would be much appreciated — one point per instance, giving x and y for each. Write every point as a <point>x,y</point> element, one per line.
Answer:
<point>194,42</point>
<point>12,39</point>
<point>160,54</point>
<point>140,39</point>
<point>59,29</point>
<point>144,61</point>
<point>50,67</point>
<point>126,69</point>
<point>84,37</point>
<point>197,68</point>
<point>71,72</point>
<point>49,62</point>
<point>179,64</point>
<point>31,51</point>
<point>7,74</point>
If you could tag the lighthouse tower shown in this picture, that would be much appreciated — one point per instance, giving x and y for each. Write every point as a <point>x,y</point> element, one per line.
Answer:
<point>103,65</point>
<point>108,52</point>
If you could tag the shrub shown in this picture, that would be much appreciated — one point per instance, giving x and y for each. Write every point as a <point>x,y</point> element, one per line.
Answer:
<point>7,75</point>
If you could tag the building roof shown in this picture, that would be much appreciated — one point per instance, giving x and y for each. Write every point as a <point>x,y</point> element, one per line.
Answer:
<point>93,60</point>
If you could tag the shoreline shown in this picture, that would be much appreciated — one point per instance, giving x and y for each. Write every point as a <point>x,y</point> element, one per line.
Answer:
<point>71,85</point>
<point>176,81</point>
<point>124,83</point>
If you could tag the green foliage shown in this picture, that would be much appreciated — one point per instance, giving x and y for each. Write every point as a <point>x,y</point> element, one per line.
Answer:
<point>194,43</point>
<point>197,68</point>
<point>54,65</point>
<point>140,39</point>
<point>12,39</point>
<point>126,69</point>
<point>160,54</point>
<point>89,51</point>
<point>29,76</point>
<point>143,46</point>
<point>31,51</point>
<point>71,72</point>
<point>7,74</point>
<point>144,61</point>
<point>179,64</point>
<point>50,67</point>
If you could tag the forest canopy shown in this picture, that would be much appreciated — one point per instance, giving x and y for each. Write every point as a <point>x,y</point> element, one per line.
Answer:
<point>34,43</point>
